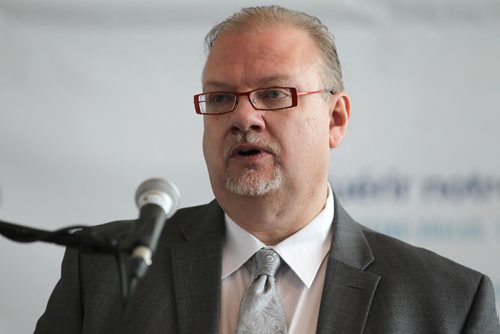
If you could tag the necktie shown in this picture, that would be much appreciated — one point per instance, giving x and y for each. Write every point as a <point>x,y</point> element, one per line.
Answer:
<point>261,310</point>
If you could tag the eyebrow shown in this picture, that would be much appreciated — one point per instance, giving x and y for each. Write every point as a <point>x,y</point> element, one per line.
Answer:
<point>213,84</point>
<point>273,80</point>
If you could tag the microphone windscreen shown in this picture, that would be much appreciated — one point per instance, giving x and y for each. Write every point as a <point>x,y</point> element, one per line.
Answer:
<point>160,192</point>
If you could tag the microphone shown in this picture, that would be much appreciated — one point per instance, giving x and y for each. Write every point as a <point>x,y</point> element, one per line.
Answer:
<point>157,200</point>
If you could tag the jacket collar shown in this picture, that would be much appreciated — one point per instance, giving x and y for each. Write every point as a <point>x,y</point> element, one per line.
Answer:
<point>348,289</point>
<point>196,268</point>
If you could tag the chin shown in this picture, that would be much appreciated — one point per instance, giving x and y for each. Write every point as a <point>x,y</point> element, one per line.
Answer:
<point>252,183</point>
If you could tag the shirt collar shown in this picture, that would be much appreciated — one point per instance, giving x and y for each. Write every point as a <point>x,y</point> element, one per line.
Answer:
<point>303,251</point>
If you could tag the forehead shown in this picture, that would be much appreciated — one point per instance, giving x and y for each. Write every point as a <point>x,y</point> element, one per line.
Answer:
<point>279,55</point>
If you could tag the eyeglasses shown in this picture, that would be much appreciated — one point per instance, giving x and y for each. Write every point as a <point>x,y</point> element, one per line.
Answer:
<point>272,98</point>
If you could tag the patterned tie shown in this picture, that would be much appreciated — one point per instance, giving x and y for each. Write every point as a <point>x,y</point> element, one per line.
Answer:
<point>261,310</point>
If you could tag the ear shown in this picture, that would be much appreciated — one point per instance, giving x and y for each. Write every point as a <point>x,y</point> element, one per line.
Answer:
<point>339,117</point>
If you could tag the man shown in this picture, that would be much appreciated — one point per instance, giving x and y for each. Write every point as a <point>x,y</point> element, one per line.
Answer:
<point>273,107</point>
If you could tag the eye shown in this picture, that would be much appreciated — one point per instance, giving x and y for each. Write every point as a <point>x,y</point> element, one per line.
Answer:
<point>218,98</point>
<point>274,93</point>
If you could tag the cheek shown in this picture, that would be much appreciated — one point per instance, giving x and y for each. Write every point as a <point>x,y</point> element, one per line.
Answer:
<point>212,143</point>
<point>312,141</point>
<point>296,150</point>
<point>315,132</point>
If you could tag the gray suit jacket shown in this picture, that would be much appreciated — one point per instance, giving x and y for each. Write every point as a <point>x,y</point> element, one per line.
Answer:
<point>373,284</point>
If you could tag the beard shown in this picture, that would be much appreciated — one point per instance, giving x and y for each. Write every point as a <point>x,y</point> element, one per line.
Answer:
<point>253,181</point>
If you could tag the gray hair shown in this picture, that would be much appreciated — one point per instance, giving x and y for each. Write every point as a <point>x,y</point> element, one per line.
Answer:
<point>255,19</point>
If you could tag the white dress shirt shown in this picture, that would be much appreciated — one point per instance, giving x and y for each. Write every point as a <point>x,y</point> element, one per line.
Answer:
<point>299,280</point>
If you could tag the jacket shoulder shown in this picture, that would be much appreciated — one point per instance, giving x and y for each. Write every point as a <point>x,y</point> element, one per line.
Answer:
<point>428,286</point>
<point>185,222</point>
<point>392,254</point>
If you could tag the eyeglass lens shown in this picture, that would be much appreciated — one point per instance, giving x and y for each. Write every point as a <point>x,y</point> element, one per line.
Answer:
<point>263,99</point>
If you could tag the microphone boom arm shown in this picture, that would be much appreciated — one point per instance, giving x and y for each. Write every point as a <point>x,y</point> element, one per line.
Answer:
<point>77,236</point>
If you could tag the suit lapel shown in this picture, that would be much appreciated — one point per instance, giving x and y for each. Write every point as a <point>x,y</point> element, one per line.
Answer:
<point>348,290</point>
<point>347,293</point>
<point>197,273</point>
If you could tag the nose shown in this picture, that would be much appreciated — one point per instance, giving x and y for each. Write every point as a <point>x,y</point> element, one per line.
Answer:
<point>245,117</point>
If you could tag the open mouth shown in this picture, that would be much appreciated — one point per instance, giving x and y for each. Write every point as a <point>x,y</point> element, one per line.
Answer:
<point>248,152</point>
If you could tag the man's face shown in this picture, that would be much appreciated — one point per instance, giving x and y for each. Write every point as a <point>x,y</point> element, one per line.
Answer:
<point>253,152</point>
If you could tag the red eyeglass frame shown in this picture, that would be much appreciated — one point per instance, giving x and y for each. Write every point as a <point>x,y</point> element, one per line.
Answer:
<point>293,91</point>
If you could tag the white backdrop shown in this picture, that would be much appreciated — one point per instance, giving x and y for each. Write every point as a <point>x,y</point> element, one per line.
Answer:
<point>96,97</point>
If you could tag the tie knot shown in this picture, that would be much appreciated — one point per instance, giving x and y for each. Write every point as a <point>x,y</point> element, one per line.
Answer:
<point>267,262</point>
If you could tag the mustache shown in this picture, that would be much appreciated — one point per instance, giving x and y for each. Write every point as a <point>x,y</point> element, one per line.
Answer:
<point>250,138</point>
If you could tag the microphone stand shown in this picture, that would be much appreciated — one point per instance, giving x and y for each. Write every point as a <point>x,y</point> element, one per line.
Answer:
<point>86,239</point>
<point>77,236</point>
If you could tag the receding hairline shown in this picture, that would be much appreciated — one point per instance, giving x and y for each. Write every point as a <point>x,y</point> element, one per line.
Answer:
<point>263,18</point>
<point>256,28</point>
<point>288,29</point>
<point>255,22</point>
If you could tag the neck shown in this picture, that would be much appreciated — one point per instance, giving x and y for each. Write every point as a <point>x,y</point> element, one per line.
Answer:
<point>276,216</point>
